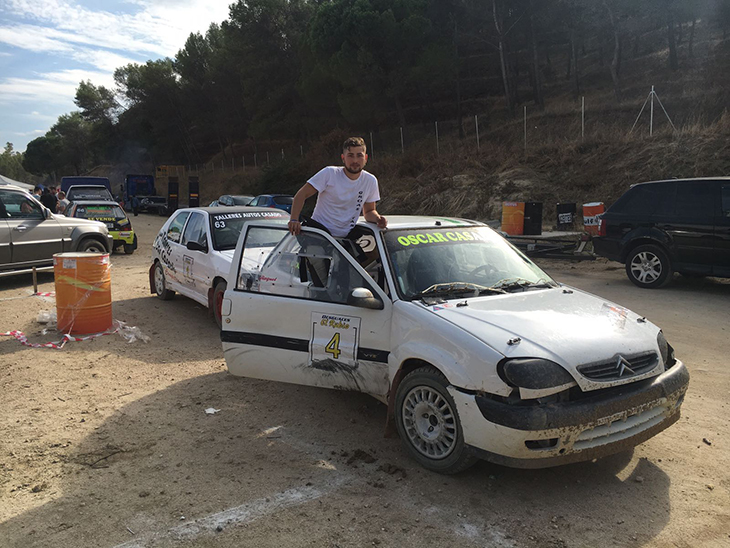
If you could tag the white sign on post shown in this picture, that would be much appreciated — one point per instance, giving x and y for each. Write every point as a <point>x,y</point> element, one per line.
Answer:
<point>334,337</point>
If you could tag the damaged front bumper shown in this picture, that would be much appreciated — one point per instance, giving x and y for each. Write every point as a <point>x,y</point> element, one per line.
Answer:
<point>539,436</point>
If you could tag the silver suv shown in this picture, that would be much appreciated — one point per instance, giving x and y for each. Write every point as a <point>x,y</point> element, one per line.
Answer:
<point>30,234</point>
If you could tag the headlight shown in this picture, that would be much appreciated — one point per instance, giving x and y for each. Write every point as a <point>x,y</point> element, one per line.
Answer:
<point>665,350</point>
<point>533,373</point>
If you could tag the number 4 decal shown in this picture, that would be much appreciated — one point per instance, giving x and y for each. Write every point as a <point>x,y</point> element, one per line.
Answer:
<point>334,338</point>
<point>333,347</point>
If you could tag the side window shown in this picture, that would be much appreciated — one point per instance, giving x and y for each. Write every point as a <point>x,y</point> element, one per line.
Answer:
<point>726,201</point>
<point>694,202</point>
<point>663,198</point>
<point>649,199</point>
<point>175,230</point>
<point>306,266</point>
<point>195,230</point>
<point>18,206</point>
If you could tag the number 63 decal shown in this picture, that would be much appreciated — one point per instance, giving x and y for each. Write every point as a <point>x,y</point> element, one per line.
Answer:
<point>334,338</point>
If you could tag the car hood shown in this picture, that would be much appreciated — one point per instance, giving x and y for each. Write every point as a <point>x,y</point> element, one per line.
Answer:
<point>563,324</point>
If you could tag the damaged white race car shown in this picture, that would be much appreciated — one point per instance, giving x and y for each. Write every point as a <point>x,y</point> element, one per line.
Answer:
<point>476,351</point>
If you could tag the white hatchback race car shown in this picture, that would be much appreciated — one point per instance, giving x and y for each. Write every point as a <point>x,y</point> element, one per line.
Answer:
<point>192,253</point>
<point>476,351</point>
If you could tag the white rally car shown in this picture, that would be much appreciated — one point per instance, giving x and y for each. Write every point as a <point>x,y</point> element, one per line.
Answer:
<point>476,351</point>
<point>192,253</point>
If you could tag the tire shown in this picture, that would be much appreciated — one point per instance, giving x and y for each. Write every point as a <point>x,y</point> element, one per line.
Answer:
<point>160,285</point>
<point>426,413</point>
<point>648,266</point>
<point>91,246</point>
<point>220,289</point>
<point>129,248</point>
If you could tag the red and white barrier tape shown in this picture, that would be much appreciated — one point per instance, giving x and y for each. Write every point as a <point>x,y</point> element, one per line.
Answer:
<point>22,339</point>
<point>48,294</point>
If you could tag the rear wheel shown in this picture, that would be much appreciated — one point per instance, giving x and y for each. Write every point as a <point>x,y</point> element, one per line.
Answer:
<point>160,284</point>
<point>129,248</point>
<point>91,246</point>
<point>218,292</point>
<point>428,423</point>
<point>648,266</point>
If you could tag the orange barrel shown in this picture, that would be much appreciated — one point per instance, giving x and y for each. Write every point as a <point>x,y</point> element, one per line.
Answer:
<point>513,218</point>
<point>83,292</point>
<point>591,213</point>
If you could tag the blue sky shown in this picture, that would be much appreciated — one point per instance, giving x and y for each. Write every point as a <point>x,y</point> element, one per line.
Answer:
<point>48,46</point>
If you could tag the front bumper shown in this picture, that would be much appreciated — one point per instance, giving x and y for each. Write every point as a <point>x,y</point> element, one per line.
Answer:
<point>539,436</point>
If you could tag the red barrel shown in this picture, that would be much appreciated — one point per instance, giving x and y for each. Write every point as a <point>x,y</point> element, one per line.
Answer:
<point>591,214</point>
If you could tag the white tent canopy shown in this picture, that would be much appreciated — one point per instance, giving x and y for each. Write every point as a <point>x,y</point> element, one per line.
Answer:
<point>8,181</point>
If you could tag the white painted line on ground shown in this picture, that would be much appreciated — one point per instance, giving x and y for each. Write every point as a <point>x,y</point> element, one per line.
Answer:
<point>239,515</point>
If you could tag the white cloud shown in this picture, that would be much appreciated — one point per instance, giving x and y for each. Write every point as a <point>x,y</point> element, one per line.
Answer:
<point>53,88</point>
<point>30,133</point>
<point>65,34</point>
<point>158,28</point>
<point>32,38</point>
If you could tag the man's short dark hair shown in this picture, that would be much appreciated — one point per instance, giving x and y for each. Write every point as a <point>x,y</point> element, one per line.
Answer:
<point>38,189</point>
<point>354,142</point>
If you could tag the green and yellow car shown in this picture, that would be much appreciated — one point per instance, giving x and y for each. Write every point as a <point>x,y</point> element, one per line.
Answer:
<point>113,216</point>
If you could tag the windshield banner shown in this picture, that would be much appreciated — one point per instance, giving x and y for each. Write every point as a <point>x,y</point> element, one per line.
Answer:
<point>439,237</point>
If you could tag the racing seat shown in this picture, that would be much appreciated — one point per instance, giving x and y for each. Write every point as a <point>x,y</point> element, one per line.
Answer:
<point>424,269</point>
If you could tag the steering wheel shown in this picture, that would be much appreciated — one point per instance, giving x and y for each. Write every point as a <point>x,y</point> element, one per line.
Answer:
<point>487,268</point>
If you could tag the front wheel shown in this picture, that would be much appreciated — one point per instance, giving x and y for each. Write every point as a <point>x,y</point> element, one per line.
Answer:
<point>91,246</point>
<point>428,423</point>
<point>218,292</point>
<point>160,284</point>
<point>648,266</point>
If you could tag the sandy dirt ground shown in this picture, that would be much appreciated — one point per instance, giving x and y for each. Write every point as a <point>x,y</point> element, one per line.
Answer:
<point>106,443</point>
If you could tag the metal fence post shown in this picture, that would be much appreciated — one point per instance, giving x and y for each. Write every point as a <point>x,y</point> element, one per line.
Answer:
<point>301,151</point>
<point>476,124</point>
<point>282,153</point>
<point>243,162</point>
<point>402,148</point>
<point>267,157</point>
<point>437,138</point>
<point>525,125</point>
<point>372,150</point>
<point>255,164</point>
<point>651,113</point>
<point>583,118</point>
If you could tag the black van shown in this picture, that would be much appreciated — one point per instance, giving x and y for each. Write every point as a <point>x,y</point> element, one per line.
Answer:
<point>661,227</point>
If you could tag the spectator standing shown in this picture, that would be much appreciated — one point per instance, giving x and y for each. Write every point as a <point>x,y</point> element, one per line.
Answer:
<point>63,203</point>
<point>49,200</point>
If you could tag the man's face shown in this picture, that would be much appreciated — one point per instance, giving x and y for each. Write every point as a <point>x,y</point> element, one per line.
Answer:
<point>354,159</point>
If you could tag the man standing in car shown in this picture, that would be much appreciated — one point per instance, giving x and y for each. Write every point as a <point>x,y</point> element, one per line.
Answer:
<point>344,193</point>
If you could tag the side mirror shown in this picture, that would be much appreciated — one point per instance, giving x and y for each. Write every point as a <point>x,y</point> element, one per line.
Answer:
<point>363,298</point>
<point>195,246</point>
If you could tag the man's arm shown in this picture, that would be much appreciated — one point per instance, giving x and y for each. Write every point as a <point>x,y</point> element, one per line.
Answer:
<point>372,216</point>
<point>307,191</point>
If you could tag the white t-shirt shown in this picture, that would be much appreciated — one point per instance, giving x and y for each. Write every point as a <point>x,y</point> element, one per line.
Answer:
<point>340,199</point>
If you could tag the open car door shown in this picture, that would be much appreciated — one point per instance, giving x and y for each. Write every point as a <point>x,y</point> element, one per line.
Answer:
<point>300,309</point>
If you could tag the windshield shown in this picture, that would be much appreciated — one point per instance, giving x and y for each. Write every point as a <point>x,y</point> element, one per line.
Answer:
<point>100,212</point>
<point>226,227</point>
<point>242,200</point>
<point>458,261</point>
<point>77,194</point>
